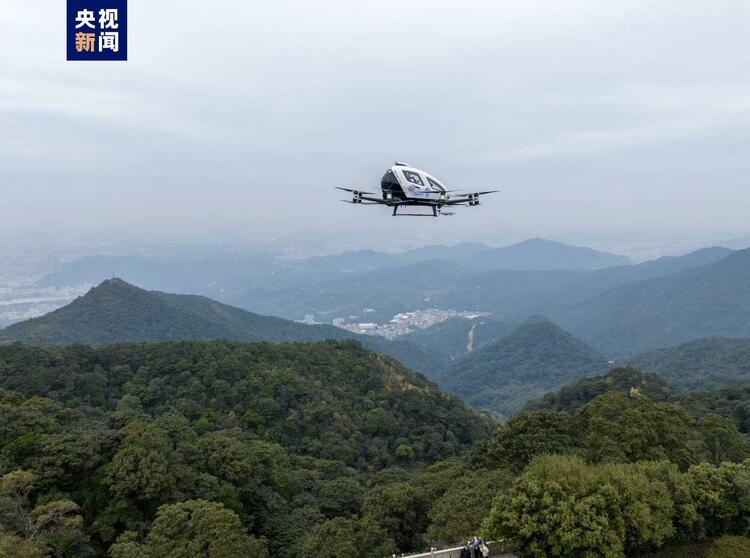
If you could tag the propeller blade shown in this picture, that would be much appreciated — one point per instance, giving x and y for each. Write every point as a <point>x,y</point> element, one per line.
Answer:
<point>350,190</point>
<point>478,193</point>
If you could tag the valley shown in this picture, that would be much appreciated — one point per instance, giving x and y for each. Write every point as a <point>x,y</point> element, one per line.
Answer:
<point>295,432</point>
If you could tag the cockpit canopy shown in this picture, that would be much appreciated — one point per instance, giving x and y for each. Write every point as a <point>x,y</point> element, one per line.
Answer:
<point>402,181</point>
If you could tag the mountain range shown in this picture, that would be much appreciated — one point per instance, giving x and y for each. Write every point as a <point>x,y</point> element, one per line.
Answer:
<point>160,272</point>
<point>617,311</point>
<point>118,312</point>
<point>711,300</point>
<point>538,254</point>
<point>508,294</point>
<point>618,308</point>
<point>494,365</point>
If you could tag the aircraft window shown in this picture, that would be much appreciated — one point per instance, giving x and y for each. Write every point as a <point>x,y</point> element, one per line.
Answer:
<point>435,184</point>
<point>413,177</point>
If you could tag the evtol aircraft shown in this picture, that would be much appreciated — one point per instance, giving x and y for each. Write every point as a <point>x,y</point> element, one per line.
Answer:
<point>404,186</point>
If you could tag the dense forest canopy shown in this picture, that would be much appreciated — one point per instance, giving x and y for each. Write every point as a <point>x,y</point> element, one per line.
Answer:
<point>141,447</point>
<point>605,470</point>
<point>332,399</point>
<point>326,449</point>
<point>732,403</point>
<point>701,364</point>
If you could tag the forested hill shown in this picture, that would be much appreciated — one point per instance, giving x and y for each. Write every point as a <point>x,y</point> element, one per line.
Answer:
<point>731,403</point>
<point>118,312</point>
<point>623,380</point>
<point>233,449</point>
<point>534,358</point>
<point>330,399</point>
<point>623,449</point>
<point>713,300</point>
<point>701,364</point>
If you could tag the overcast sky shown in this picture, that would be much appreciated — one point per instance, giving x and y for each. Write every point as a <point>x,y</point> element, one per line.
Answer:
<point>602,121</point>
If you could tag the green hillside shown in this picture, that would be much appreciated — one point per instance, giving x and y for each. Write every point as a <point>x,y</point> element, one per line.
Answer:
<point>709,301</point>
<point>105,451</point>
<point>732,403</point>
<point>302,450</point>
<point>666,476</point>
<point>534,358</point>
<point>702,364</point>
<point>625,380</point>
<point>117,312</point>
<point>316,399</point>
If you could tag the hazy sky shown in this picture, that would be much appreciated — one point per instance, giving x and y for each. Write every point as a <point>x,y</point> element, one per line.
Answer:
<point>599,120</point>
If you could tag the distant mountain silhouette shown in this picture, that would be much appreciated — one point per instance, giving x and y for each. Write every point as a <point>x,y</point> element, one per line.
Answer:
<point>118,312</point>
<point>713,300</point>
<point>205,274</point>
<point>539,254</point>
<point>364,260</point>
<point>536,357</point>
<point>212,275</point>
<point>666,265</point>
<point>595,305</point>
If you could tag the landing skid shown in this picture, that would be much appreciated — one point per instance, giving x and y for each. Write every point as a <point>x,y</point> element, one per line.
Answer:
<point>435,213</point>
<point>414,215</point>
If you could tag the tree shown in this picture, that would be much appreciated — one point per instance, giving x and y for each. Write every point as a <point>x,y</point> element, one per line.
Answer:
<point>140,468</point>
<point>200,529</point>
<point>628,428</point>
<point>522,438</point>
<point>347,537</point>
<point>563,507</point>
<point>458,513</point>
<point>400,509</point>
<point>128,546</point>
<point>722,497</point>
<point>340,496</point>
<point>14,502</point>
<point>722,441</point>
<point>58,525</point>
<point>55,527</point>
<point>12,546</point>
